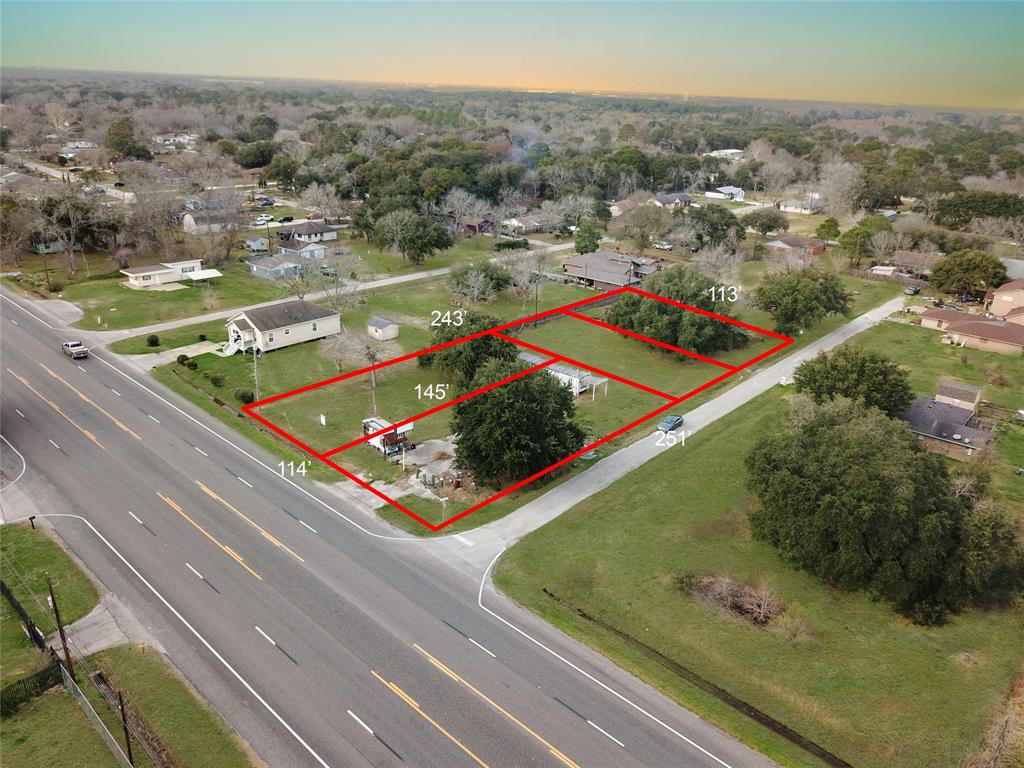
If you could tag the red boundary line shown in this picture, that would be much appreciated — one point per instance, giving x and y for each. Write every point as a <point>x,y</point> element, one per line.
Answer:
<point>673,401</point>
<point>561,358</point>
<point>649,340</point>
<point>438,408</point>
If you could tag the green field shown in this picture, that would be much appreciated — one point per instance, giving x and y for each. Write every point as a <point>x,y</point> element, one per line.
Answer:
<point>107,304</point>
<point>383,262</point>
<point>214,330</point>
<point>191,730</point>
<point>864,683</point>
<point>51,729</point>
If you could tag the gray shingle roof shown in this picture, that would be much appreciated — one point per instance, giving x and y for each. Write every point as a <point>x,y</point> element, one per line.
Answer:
<point>285,314</point>
<point>944,422</point>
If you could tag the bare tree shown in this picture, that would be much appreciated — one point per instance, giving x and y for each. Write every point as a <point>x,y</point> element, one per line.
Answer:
<point>509,205</point>
<point>840,183</point>
<point>321,198</point>
<point>883,245</point>
<point>396,228</point>
<point>647,222</point>
<point>360,350</point>
<point>300,283</point>
<point>57,116</point>
<point>456,205</point>
<point>720,262</point>
<point>575,208</point>
<point>477,287</point>
<point>16,226</point>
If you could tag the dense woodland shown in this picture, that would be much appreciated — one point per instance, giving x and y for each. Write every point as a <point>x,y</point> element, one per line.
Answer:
<point>442,156</point>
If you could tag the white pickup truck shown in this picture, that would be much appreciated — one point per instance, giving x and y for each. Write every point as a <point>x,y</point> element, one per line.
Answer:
<point>74,349</point>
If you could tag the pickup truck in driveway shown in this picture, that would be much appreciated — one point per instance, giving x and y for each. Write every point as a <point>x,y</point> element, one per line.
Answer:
<point>74,349</point>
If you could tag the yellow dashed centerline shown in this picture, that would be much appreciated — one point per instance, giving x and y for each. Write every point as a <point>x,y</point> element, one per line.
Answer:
<point>416,708</point>
<point>56,407</point>
<point>455,676</point>
<point>266,534</point>
<point>93,403</point>
<point>226,549</point>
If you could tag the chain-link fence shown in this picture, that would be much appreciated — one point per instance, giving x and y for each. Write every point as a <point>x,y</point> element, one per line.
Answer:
<point>97,722</point>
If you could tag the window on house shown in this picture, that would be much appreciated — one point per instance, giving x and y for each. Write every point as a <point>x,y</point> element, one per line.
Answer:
<point>147,277</point>
<point>270,337</point>
<point>314,325</point>
<point>287,331</point>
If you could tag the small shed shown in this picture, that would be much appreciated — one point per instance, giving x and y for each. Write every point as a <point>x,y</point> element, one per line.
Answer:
<point>383,436</point>
<point>382,329</point>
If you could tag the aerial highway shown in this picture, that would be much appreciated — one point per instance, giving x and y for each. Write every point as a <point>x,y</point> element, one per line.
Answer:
<point>323,636</point>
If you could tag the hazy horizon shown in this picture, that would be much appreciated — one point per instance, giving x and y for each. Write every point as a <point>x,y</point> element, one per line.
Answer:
<point>920,54</point>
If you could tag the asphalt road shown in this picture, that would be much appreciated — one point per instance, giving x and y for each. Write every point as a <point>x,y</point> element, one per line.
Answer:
<point>320,634</point>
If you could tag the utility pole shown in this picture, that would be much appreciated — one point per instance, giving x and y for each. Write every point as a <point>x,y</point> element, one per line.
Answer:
<point>124,724</point>
<point>255,367</point>
<point>60,629</point>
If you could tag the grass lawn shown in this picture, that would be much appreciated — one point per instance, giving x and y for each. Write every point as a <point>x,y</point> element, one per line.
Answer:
<point>191,730</point>
<point>866,684</point>
<point>51,729</point>
<point>109,305</point>
<point>378,261</point>
<point>214,331</point>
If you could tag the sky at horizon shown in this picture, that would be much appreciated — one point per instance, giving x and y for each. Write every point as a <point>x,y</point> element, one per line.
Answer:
<point>965,54</point>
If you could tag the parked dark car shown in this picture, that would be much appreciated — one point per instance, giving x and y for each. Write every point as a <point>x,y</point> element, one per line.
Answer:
<point>670,423</point>
<point>912,290</point>
<point>286,219</point>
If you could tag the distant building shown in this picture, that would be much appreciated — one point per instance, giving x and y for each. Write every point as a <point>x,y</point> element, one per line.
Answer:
<point>729,155</point>
<point>532,222</point>
<point>275,267</point>
<point>672,200</point>
<point>915,262</point>
<point>1006,338</point>
<point>619,207</point>
<point>608,270</point>
<point>208,222</point>
<point>576,380</point>
<point>297,249</point>
<point>308,232</point>
<point>806,206</point>
<point>168,272</point>
<point>382,329</point>
<point>949,423</point>
<point>1007,297</point>
<point>167,139</point>
<point>798,244</point>
<point>726,193</point>
<point>257,244</point>
<point>475,226</point>
<point>80,144</point>
<point>280,325</point>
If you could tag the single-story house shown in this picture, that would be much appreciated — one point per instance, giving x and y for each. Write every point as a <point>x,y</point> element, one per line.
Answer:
<point>280,325</point>
<point>672,200</point>
<point>939,319</point>
<point>883,270</point>
<point>52,246</point>
<point>67,154</point>
<point>257,244</point>
<point>988,335</point>
<point>188,139</point>
<point>726,193</point>
<point>168,272</point>
<point>1015,316</point>
<point>1007,297</point>
<point>619,207</point>
<point>801,244</point>
<point>80,144</point>
<point>275,267</point>
<point>576,380</point>
<point>607,270</point>
<point>731,155</point>
<point>309,232</point>
<point>948,423</point>
<point>381,328</point>
<point>807,206</point>
<point>474,226</point>
<point>201,222</point>
<point>296,249</point>
<point>915,262</point>
<point>535,221</point>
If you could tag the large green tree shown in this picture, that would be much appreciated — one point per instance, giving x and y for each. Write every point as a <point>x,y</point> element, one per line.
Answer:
<point>672,325</point>
<point>462,361</point>
<point>827,230</point>
<point>858,374</point>
<point>262,128</point>
<point>121,139</point>
<point>856,239</point>
<point>969,272</point>
<point>588,239</point>
<point>714,224</point>
<point>799,298</point>
<point>516,430</point>
<point>765,220</point>
<point>846,493</point>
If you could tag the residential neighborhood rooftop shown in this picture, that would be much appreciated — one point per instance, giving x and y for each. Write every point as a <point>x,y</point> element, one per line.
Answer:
<point>284,314</point>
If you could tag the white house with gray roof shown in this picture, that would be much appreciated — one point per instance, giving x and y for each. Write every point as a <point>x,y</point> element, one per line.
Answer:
<point>280,325</point>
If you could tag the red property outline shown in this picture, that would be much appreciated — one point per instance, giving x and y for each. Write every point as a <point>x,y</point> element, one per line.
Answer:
<point>498,331</point>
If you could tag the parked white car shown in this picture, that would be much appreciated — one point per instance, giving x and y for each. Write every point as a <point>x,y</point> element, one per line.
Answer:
<point>264,218</point>
<point>662,245</point>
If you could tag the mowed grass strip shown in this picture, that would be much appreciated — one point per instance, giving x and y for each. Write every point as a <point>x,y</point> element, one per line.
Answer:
<point>214,330</point>
<point>190,728</point>
<point>866,684</point>
<point>52,730</point>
